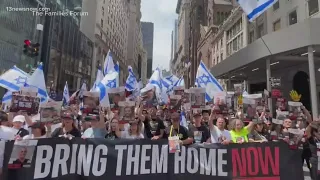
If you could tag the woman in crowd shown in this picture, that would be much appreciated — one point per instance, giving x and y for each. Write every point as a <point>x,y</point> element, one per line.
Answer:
<point>133,132</point>
<point>17,123</point>
<point>38,131</point>
<point>239,133</point>
<point>68,128</point>
<point>259,132</point>
<point>112,134</point>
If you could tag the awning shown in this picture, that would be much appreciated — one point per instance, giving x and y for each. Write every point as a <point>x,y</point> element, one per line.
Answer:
<point>296,36</point>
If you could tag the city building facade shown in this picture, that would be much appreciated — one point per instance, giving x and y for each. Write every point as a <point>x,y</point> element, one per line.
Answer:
<point>282,43</point>
<point>211,48</point>
<point>134,51</point>
<point>147,29</point>
<point>174,44</point>
<point>66,51</point>
<point>108,27</point>
<point>181,52</point>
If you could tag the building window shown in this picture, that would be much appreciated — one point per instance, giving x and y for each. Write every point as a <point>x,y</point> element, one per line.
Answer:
<point>101,23</point>
<point>276,25</point>
<point>293,17</point>
<point>276,5</point>
<point>260,31</point>
<point>251,36</point>
<point>102,10</point>
<point>313,6</point>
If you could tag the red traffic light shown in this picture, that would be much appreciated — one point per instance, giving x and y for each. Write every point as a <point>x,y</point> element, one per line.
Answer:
<point>27,42</point>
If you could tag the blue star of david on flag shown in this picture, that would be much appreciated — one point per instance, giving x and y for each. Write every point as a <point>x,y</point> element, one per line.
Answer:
<point>21,80</point>
<point>204,79</point>
<point>112,83</point>
<point>132,80</point>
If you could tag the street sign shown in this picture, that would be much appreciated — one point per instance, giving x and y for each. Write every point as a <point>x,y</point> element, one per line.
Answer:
<point>275,82</point>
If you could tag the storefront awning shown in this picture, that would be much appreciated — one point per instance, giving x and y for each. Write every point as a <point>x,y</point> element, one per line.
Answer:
<point>280,42</point>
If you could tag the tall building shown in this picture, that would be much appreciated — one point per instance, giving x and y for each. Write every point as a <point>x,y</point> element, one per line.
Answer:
<point>181,54</point>
<point>174,44</point>
<point>66,51</point>
<point>134,46</point>
<point>147,29</point>
<point>107,26</point>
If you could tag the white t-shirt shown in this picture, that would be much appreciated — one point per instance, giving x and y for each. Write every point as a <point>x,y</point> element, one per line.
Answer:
<point>217,133</point>
<point>7,133</point>
<point>30,136</point>
<point>126,135</point>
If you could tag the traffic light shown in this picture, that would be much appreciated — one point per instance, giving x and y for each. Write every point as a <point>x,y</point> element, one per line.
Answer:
<point>35,49</point>
<point>30,49</point>
<point>27,44</point>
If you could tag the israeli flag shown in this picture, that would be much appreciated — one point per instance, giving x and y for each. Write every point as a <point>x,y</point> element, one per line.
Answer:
<point>108,66</point>
<point>183,119</point>
<point>157,82</point>
<point>7,97</point>
<point>131,82</point>
<point>13,79</point>
<point>205,79</point>
<point>178,83</point>
<point>98,79</point>
<point>254,8</point>
<point>37,80</point>
<point>117,67</point>
<point>171,79</point>
<point>109,81</point>
<point>66,96</point>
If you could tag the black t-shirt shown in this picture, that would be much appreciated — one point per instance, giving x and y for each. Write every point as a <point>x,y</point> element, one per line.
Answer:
<point>156,125</point>
<point>59,132</point>
<point>200,134</point>
<point>182,132</point>
<point>111,135</point>
<point>22,132</point>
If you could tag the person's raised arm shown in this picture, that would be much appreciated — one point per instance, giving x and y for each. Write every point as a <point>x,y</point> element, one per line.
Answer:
<point>307,114</point>
<point>212,116</point>
<point>101,123</point>
<point>250,126</point>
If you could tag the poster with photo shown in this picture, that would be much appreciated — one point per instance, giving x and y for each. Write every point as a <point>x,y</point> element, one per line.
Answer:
<point>148,96</point>
<point>91,103</point>
<point>25,100</point>
<point>22,154</point>
<point>249,108</point>
<point>115,96</point>
<point>281,104</point>
<point>219,102</point>
<point>294,109</point>
<point>50,111</point>
<point>127,110</point>
<point>178,90</point>
<point>198,98</point>
<point>175,102</point>
<point>238,89</point>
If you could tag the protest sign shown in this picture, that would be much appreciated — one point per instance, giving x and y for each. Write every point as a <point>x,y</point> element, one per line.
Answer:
<point>127,110</point>
<point>50,111</point>
<point>90,102</point>
<point>28,102</point>
<point>115,96</point>
<point>198,98</point>
<point>101,159</point>
<point>148,96</point>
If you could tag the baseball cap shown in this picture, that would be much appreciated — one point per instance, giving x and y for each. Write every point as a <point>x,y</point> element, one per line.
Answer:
<point>67,116</point>
<point>19,118</point>
<point>38,124</point>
